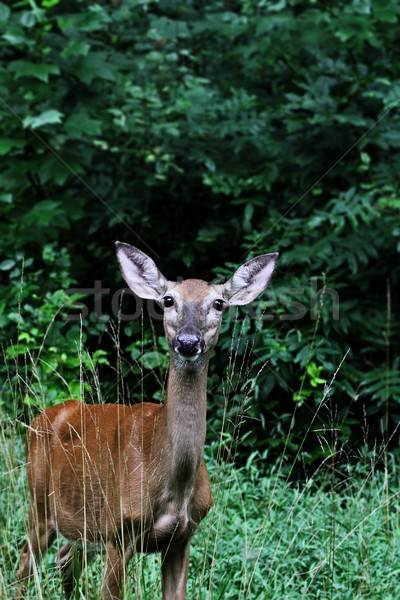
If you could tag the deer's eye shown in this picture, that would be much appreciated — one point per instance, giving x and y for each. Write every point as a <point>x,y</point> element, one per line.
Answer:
<point>219,304</point>
<point>168,301</point>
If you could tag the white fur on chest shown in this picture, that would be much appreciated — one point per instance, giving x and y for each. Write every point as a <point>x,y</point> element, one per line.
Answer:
<point>174,520</point>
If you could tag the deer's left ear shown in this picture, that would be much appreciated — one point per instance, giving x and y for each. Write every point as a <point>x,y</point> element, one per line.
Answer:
<point>250,279</point>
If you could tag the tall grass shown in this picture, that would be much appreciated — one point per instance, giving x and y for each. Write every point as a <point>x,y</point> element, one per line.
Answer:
<point>265,537</point>
<point>335,536</point>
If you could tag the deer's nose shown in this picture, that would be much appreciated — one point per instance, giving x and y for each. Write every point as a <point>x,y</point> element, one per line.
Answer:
<point>188,342</point>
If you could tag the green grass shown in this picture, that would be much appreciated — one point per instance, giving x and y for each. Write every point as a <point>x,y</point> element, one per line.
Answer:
<point>334,537</point>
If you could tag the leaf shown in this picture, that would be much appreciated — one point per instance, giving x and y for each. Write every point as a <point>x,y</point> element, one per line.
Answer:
<point>163,27</point>
<point>81,125</point>
<point>28,19</point>
<point>43,212</point>
<point>248,212</point>
<point>94,66</point>
<point>134,351</point>
<point>7,143</point>
<point>76,47</point>
<point>151,360</point>
<point>54,169</point>
<point>16,40</point>
<point>25,68</point>
<point>5,12</point>
<point>88,20</point>
<point>7,265</point>
<point>50,3</point>
<point>386,14</point>
<point>48,117</point>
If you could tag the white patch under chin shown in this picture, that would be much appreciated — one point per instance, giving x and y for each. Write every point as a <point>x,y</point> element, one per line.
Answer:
<point>188,358</point>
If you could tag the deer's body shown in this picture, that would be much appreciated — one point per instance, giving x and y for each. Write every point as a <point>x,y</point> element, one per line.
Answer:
<point>134,478</point>
<point>117,465</point>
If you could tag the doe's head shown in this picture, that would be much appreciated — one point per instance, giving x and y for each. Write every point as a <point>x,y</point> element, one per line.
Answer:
<point>193,308</point>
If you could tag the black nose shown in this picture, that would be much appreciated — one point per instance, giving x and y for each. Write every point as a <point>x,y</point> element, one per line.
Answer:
<point>188,341</point>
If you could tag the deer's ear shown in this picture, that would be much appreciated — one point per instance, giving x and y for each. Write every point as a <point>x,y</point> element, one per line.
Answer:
<point>250,279</point>
<point>140,272</point>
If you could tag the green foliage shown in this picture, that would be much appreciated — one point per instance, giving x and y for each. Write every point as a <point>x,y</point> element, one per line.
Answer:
<point>206,134</point>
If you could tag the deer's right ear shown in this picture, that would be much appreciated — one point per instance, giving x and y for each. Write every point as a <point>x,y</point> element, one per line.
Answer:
<point>140,272</point>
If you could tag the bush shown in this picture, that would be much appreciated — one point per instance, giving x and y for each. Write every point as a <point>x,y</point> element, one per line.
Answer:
<point>206,135</point>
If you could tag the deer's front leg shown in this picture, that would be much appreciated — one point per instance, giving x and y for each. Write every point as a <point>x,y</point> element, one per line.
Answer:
<point>69,560</point>
<point>41,536</point>
<point>174,570</point>
<point>114,575</point>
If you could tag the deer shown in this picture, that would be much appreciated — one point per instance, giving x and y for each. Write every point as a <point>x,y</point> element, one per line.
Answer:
<point>132,478</point>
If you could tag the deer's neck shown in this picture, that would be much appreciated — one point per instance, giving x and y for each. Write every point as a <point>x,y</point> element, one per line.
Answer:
<point>184,418</point>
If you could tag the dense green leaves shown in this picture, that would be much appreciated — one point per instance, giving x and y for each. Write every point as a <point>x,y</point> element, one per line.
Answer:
<point>206,134</point>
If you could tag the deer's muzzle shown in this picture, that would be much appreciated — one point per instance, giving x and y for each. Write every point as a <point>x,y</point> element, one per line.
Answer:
<point>188,342</point>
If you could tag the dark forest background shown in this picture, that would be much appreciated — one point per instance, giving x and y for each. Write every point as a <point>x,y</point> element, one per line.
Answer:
<point>206,133</point>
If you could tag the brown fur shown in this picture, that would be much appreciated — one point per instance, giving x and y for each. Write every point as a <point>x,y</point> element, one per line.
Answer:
<point>96,476</point>
<point>194,289</point>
